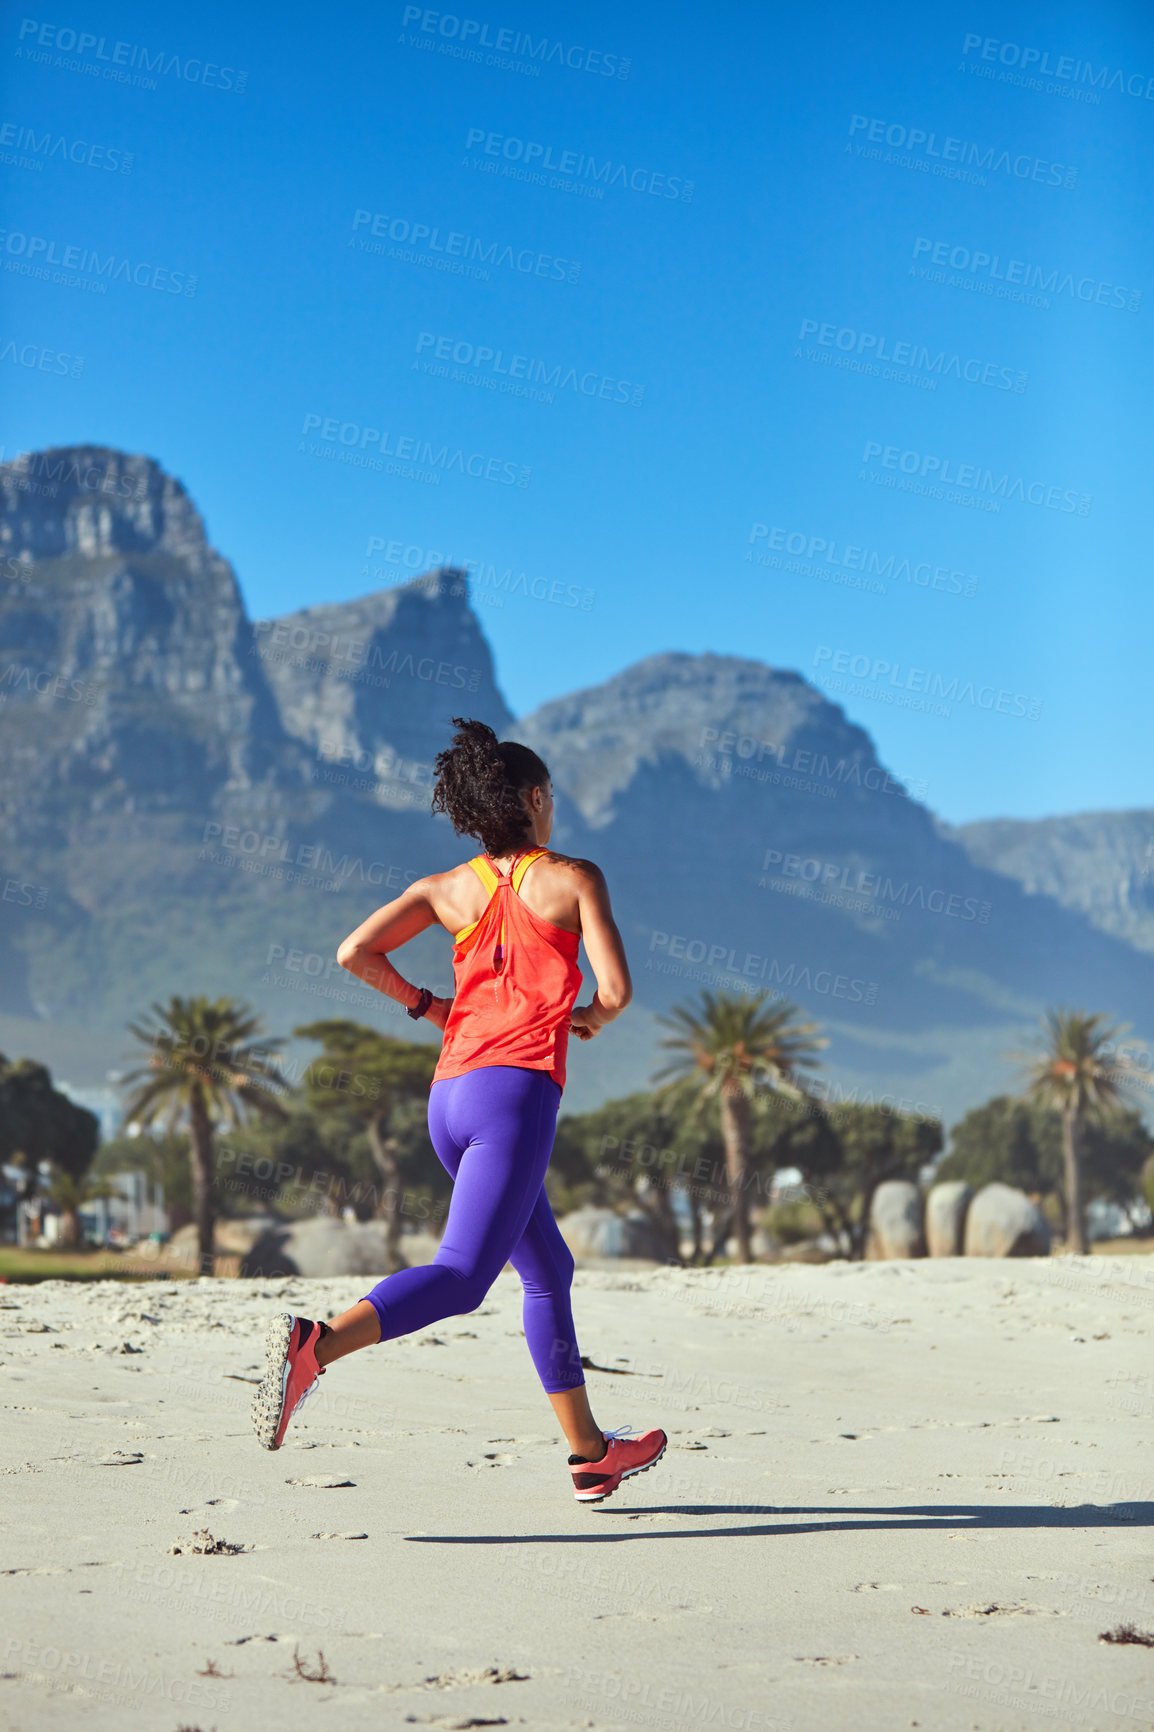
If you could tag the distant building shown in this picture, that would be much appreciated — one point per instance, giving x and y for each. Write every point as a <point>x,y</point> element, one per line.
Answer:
<point>135,1212</point>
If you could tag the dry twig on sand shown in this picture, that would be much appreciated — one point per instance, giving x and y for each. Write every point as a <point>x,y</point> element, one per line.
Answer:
<point>322,1675</point>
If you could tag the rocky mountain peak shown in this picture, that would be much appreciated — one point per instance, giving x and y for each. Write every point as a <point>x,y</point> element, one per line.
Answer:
<point>370,685</point>
<point>722,716</point>
<point>95,502</point>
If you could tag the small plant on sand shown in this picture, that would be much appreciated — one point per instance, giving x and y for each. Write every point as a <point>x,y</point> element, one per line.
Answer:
<point>1127,1633</point>
<point>301,1669</point>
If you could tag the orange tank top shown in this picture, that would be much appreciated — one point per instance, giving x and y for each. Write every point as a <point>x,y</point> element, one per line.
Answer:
<point>516,982</point>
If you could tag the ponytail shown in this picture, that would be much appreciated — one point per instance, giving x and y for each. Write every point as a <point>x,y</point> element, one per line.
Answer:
<point>480,780</point>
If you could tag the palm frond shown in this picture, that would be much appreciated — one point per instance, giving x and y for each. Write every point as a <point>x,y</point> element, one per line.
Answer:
<point>1072,1066</point>
<point>730,1042</point>
<point>214,1045</point>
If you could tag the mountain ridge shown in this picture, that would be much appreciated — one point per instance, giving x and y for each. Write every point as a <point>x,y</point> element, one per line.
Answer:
<point>227,795</point>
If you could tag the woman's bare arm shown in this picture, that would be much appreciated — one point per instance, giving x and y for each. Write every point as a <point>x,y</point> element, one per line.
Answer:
<point>365,951</point>
<point>606,953</point>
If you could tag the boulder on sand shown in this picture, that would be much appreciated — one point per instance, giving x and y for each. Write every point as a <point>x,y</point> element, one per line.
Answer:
<point>1003,1222</point>
<point>321,1246</point>
<point>946,1208</point>
<point>895,1227</point>
<point>232,1236</point>
<point>594,1232</point>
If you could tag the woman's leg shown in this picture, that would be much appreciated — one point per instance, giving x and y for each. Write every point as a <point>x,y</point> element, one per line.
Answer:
<point>493,1130</point>
<point>545,1264</point>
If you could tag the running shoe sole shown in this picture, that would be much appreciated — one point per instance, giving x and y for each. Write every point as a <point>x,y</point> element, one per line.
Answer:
<point>268,1402</point>
<point>599,1497</point>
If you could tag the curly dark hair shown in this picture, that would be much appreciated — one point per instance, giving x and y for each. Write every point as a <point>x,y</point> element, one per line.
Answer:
<point>480,780</point>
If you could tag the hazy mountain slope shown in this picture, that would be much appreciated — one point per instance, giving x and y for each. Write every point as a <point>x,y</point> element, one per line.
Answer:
<point>1099,862</point>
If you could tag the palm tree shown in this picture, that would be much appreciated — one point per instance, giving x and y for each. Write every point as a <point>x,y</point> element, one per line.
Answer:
<point>206,1065</point>
<point>1073,1071</point>
<point>362,1076</point>
<point>728,1047</point>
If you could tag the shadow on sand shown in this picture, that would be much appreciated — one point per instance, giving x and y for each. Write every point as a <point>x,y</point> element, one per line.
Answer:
<point>904,1518</point>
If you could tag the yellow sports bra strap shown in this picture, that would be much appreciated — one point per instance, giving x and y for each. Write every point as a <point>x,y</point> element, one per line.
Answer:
<point>524,864</point>
<point>485,872</point>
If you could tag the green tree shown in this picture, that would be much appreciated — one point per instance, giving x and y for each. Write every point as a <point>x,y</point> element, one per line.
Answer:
<point>997,1143</point>
<point>207,1066</point>
<point>372,1081</point>
<point>638,1151</point>
<point>1073,1071</point>
<point>1115,1147</point>
<point>727,1049</point>
<point>1019,1142</point>
<point>38,1123</point>
<point>844,1152</point>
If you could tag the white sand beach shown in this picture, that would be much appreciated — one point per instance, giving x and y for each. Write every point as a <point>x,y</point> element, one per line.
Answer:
<point>896,1495</point>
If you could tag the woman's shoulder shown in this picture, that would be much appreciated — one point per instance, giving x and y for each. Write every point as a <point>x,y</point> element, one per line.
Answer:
<point>560,885</point>
<point>572,866</point>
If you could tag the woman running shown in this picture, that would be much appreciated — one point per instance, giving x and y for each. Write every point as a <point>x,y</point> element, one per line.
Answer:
<point>516,913</point>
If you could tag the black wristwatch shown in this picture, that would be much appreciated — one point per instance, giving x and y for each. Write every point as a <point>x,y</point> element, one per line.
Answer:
<point>421,1005</point>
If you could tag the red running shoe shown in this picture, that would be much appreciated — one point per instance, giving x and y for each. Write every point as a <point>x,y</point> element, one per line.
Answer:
<point>291,1375</point>
<point>624,1456</point>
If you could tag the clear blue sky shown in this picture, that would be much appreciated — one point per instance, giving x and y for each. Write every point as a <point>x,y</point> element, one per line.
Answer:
<point>792,225</point>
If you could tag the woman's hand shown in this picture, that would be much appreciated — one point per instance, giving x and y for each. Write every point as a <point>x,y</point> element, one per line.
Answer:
<point>438,1012</point>
<point>582,1023</point>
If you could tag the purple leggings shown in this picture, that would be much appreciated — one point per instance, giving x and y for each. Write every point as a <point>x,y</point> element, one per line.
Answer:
<point>493,1131</point>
